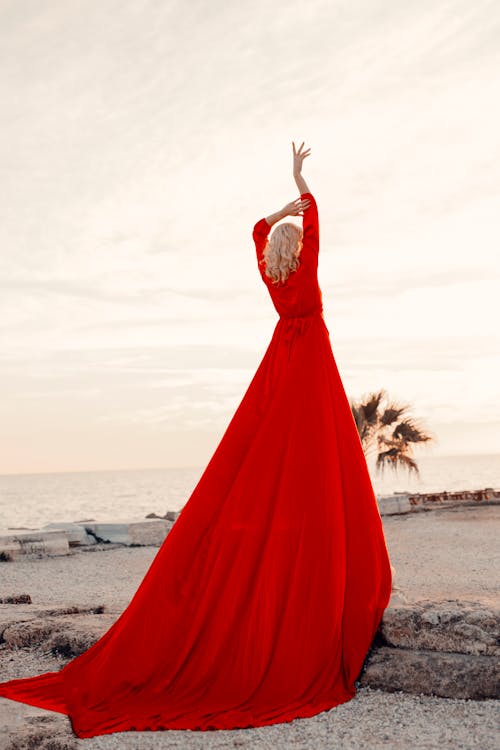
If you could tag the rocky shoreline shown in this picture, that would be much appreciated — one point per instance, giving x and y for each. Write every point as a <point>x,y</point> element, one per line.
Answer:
<point>56,538</point>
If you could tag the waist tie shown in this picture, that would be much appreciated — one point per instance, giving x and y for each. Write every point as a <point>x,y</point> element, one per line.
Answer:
<point>294,326</point>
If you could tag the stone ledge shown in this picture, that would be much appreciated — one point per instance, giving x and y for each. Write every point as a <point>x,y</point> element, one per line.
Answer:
<point>447,648</point>
<point>446,675</point>
<point>448,625</point>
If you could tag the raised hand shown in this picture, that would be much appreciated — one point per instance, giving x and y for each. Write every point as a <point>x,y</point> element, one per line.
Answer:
<point>296,207</point>
<point>291,209</point>
<point>298,158</point>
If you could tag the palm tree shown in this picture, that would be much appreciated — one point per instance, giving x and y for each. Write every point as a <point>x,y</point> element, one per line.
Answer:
<point>389,430</point>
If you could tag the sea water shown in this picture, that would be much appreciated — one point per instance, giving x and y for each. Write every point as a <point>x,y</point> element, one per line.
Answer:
<point>31,500</point>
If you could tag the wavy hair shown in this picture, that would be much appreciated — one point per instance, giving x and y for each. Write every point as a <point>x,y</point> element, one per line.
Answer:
<point>281,252</point>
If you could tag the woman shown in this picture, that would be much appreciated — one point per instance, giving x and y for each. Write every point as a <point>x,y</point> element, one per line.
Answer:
<point>263,600</point>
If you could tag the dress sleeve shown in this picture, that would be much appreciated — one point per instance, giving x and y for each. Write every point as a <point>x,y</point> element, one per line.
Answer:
<point>260,234</point>
<point>310,227</point>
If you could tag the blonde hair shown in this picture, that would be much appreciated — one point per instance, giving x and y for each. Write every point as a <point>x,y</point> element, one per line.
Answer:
<point>281,252</point>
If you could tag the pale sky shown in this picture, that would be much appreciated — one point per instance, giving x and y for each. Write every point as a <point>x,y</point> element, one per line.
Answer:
<point>140,144</point>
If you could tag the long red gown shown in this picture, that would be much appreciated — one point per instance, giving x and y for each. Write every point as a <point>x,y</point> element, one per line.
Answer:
<point>262,602</point>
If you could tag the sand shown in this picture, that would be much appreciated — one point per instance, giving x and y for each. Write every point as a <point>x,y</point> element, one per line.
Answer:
<point>442,553</point>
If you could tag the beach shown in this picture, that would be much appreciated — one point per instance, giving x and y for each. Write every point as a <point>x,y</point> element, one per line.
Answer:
<point>441,557</point>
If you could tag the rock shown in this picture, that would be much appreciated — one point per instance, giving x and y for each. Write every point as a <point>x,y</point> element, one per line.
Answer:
<point>75,532</point>
<point>16,599</point>
<point>50,736</point>
<point>66,631</point>
<point>172,515</point>
<point>446,648</point>
<point>446,626</point>
<point>408,502</point>
<point>9,617</point>
<point>390,505</point>
<point>151,532</point>
<point>33,543</point>
<point>73,636</point>
<point>447,675</point>
<point>36,614</point>
<point>27,634</point>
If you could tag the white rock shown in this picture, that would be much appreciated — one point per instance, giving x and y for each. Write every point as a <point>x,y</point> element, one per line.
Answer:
<point>392,504</point>
<point>38,542</point>
<point>75,532</point>
<point>151,531</point>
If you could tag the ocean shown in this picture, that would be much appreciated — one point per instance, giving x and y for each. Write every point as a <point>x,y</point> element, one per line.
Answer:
<point>32,500</point>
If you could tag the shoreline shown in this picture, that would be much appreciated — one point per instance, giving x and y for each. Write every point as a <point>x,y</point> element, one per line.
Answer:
<point>389,504</point>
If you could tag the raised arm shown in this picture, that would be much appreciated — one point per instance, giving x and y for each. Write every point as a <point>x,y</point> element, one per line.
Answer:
<point>310,223</point>
<point>310,226</point>
<point>298,158</point>
<point>304,206</point>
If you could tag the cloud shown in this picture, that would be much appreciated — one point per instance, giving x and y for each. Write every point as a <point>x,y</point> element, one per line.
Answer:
<point>132,183</point>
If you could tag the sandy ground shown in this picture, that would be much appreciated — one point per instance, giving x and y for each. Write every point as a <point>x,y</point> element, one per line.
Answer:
<point>438,554</point>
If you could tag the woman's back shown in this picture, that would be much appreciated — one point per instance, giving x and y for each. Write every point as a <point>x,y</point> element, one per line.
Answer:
<point>300,293</point>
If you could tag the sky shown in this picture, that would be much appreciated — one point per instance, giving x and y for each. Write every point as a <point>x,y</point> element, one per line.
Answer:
<point>141,141</point>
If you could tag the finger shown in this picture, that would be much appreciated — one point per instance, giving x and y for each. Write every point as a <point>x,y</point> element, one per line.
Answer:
<point>294,152</point>
<point>300,149</point>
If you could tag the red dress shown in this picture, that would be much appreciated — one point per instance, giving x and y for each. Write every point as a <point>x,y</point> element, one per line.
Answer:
<point>263,600</point>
